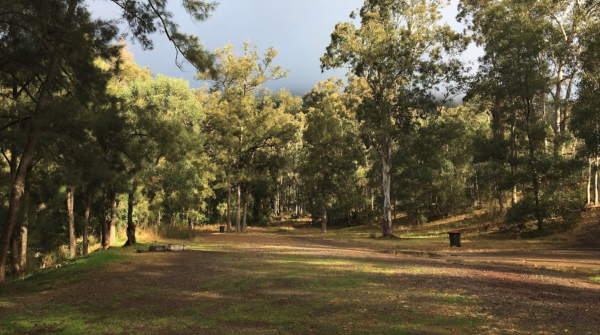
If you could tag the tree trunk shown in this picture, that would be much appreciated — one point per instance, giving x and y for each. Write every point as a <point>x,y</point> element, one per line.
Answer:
<point>297,202</point>
<point>113,220</point>
<point>477,189</point>
<point>589,182</point>
<point>86,222</point>
<point>24,228</point>
<point>324,214</point>
<point>238,223</point>
<point>244,226</point>
<point>557,125</point>
<point>276,202</point>
<point>72,237</point>
<point>228,207</point>
<point>538,206</point>
<point>596,181</point>
<point>16,191</point>
<point>104,222</point>
<point>14,255</point>
<point>386,172</point>
<point>131,240</point>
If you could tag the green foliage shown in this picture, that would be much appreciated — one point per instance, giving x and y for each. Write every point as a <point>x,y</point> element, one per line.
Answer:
<point>435,172</point>
<point>333,151</point>
<point>398,56</point>
<point>246,132</point>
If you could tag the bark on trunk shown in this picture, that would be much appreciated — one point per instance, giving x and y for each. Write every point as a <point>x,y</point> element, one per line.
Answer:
<point>538,206</point>
<point>16,191</point>
<point>131,240</point>
<point>386,172</point>
<point>104,229</point>
<point>297,201</point>
<point>24,229</point>
<point>244,226</point>
<point>596,181</point>
<point>238,223</point>
<point>324,215</point>
<point>276,202</point>
<point>72,237</point>
<point>113,220</point>
<point>589,182</point>
<point>14,256</point>
<point>557,125</point>
<point>228,208</point>
<point>86,222</point>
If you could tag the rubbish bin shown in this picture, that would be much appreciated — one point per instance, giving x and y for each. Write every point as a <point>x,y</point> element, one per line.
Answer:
<point>221,229</point>
<point>454,238</point>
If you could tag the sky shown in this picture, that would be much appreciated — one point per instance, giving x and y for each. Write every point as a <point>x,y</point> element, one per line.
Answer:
<point>299,29</point>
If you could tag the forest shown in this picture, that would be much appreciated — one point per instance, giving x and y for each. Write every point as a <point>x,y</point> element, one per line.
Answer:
<point>95,147</point>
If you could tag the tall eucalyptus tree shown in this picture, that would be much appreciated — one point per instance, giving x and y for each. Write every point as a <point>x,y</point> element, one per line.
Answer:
<point>398,56</point>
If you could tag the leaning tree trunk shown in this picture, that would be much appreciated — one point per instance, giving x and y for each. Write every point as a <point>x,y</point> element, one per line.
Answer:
<point>387,186</point>
<point>238,227</point>
<point>86,222</point>
<point>130,225</point>
<point>16,191</point>
<point>72,237</point>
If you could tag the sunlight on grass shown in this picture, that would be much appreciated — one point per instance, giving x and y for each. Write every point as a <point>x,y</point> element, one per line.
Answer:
<point>290,285</point>
<point>6,304</point>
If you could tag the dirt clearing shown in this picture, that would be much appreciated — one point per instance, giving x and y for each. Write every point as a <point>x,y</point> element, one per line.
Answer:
<point>294,284</point>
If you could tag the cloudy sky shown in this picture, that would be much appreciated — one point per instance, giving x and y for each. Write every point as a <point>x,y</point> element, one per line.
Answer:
<point>299,29</point>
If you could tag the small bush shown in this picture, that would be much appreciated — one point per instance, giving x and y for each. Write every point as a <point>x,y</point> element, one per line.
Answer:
<point>521,212</point>
<point>55,256</point>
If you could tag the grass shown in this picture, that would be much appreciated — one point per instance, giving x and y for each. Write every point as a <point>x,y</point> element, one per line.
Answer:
<point>224,287</point>
<point>68,271</point>
<point>286,294</point>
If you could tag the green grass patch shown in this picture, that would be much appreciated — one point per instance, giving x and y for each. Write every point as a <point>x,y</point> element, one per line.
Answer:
<point>6,304</point>
<point>68,271</point>
<point>225,288</point>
